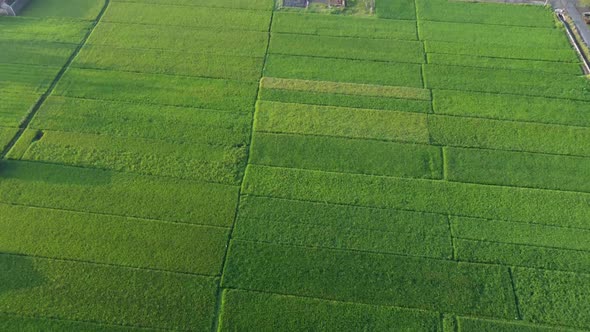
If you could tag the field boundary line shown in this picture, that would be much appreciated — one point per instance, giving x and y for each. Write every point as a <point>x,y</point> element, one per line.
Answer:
<point>25,123</point>
<point>525,245</point>
<point>513,285</point>
<point>452,236</point>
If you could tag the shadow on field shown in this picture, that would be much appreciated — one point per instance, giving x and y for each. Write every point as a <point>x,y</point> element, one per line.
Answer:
<point>23,171</point>
<point>17,273</point>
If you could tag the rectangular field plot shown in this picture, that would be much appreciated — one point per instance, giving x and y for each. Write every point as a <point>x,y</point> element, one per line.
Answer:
<point>112,240</point>
<point>518,169</point>
<point>473,200</point>
<point>220,164</point>
<point>347,155</point>
<point>6,135</point>
<point>29,52</point>
<point>166,62</point>
<point>342,26</point>
<point>79,9</point>
<point>507,81</point>
<point>35,79</point>
<point>188,16</point>
<point>512,107</point>
<point>158,89</point>
<point>86,292</point>
<point>325,225</point>
<point>509,135</point>
<point>119,35</point>
<point>347,48</point>
<point>15,323</point>
<point>343,70</point>
<point>552,297</point>
<point>15,105</point>
<point>251,311</point>
<point>167,123</point>
<point>46,29</point>
<point>371,278</point>
<point>341,122</point>
<point>467,324</point>
<point>98,191</point>
<point>401,10</point>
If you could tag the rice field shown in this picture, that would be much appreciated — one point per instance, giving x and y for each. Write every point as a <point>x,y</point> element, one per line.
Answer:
<point>233,166</point>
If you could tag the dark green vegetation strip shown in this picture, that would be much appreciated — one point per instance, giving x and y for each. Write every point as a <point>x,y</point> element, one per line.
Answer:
<point>520,169</point>
<point>340,121</point>
<point>250,311</point>
<point>90,190</point>
<point>30,52</point>
<point>187,16</point>
<point>112,240</point>
<point>343,100</point>
<point>6,134</point>
<point>402,9</point>
<point>161,89</point>
<point>342,26</point>
<point>88,292</point>
<point>343,227</point>
<point>469,324</point>
<point>143,121</point>
<point>34,324</point>
<point>169,62</point>
<point>552,297</point>
<point>509,135</point>
<point>220,164</point>
<point>507,81</point>
<point>343,70</point>
<point>371,278</point>
<point>347,155</point>
<point>517,204</point>
<point>243,4</point>
<point>511,107</point>
<point>347,48</point>
<point>80,9</point>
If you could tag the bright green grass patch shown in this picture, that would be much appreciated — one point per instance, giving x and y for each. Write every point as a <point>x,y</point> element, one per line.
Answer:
<point>485,13</point>
<point>245,43</point>
<point>88,292</point>
<point>158,89</point>
<point>167,62</point>
<point>515,204</point>
<point>399,9</point>
<point>36,52</point>
<point>347,155</point>
<point>507,81</point>
<point>150,157</point>
<point>6,135</point>
<point>16,104</point>
<point>47,29</point>
<point>509,135</point>
<point>486,325</point>
<point>343,100</point>
<point>346,88</point>
<point>510,36</point>
<point>36,79</point>
<point>251,311</point>
<point>272,220</point>
<point>370,278</point>
<point>511,107</point>
<point>522,255</point>
<point>519,169</point>
<point>242,4</point>
<point>35,324</point>
<point>486,49</point>
<point>343,70</point>
<point>187,16</point>
<point>92,190</point>
<point>553,297</point>
<point>340,121</point>
<point>343,26</point>
<point>82,9</point>
<point>347,48</point>
<point>112,240</point>
<point>143,121</point>
<point>502,63</point>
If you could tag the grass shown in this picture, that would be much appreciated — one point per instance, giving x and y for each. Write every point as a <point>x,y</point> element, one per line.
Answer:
<point>6,135</point>
<point>401,10</point>
<point>82,9</point>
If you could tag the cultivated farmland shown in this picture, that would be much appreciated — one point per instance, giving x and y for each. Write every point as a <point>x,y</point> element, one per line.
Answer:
<point>233,165</point>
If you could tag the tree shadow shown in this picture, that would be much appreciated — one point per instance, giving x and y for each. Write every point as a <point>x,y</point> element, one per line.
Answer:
<point>18,273</point>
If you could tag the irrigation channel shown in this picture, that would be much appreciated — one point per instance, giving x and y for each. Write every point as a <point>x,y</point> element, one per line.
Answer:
<point>573,40</point>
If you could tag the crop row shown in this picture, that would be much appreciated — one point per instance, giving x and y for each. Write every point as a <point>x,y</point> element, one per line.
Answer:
<point>167,123</point>
<point>241,4</point>
<point>172,63</point>
<point>280,221</point>
<point>343,70</point>
<point>112,240</point>
<point>347,48</point>
<point>188,16</point>
<point>124,194</point>
<point>158,89</point>
<point>343,26</point>
<point>86,292</point>
<point>516,204</point>
<point>221,164</point>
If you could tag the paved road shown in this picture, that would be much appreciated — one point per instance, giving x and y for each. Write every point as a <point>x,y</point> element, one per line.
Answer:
<point>570,7</point>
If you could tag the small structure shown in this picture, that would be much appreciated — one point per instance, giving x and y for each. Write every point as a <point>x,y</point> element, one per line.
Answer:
<point>306,3</point>
<point>587,17</point>
<point>12,7</point>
